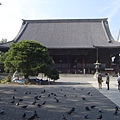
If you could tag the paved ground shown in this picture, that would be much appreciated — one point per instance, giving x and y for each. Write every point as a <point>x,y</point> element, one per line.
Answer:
<point>60,99</point>
<point>113,94</point>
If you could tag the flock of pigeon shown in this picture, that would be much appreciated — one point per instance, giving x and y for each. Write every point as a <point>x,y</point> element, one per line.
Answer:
<point>55,102</point>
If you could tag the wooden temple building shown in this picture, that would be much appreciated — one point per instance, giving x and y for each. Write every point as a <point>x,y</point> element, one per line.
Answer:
<point>75,44</point>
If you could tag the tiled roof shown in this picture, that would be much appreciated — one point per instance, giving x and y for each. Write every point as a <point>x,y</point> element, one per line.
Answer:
<point>68,33</point>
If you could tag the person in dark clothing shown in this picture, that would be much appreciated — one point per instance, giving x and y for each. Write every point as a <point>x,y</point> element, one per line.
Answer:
<point>107,80</point>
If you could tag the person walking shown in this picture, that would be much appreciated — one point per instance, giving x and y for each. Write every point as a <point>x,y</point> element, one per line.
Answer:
<point>99,78</point>
<point>107,80</point>
<point>118,79</point>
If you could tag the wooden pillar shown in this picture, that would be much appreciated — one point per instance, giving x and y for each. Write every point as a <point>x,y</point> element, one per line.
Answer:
<point>68,62</point>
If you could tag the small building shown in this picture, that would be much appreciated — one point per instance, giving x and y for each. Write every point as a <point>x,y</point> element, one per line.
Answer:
<point>74,44</point>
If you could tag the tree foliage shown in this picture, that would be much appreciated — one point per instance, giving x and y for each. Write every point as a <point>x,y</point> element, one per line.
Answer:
<point>28,57</point>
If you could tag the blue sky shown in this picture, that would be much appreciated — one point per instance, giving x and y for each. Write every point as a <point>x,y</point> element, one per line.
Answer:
<point>13,11</point>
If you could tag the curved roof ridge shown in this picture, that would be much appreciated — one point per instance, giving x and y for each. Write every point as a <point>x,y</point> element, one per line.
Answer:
<point>24,25</point>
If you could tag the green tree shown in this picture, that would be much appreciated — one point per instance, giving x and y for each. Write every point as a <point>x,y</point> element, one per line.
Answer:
<point>28,57</point>
<point>54,74</point>
<point>51,72</point>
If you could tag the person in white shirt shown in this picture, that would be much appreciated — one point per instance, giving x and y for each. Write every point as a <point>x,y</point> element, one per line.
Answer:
<point>118,79</point>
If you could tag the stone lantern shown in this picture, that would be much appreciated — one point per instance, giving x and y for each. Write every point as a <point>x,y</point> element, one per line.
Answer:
<point>97,65</point>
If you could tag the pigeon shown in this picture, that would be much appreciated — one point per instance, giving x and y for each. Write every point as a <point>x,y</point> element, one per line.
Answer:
<point>88,93</point>
<point>82,88</point>
<point>53,94</point>
<point>86,116</point>
<point>100,110</point>
<point>39,96</point>
<point>75,95</point>
<point>17,104</point>
<point>39,105</point>
<point>116,110</point>
<point>14,89</point>
<point>2,112</point>
<point>93,106</point>
<point>33,103</point>
<point>24,106</point>
<point>73,88</point>
<point>12,101</point>
<point>83,98</point>
<point>36,98</point>
<point>71,111</point>
<point>43,91</point>
<point>64,95</point>
<point>26,93</point>
<point>44,103</point>
<point>24,115</point>
<point>100,116</point>
<point>13,97</point>
<point>35,114</point>
<point>87,108</point>
<point>57,100</point>
<point>49,95</point>
<point>20,99</point>
<point>64,118</point>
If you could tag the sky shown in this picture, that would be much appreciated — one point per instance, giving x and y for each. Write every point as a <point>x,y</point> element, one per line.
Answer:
<point>13,11</point>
